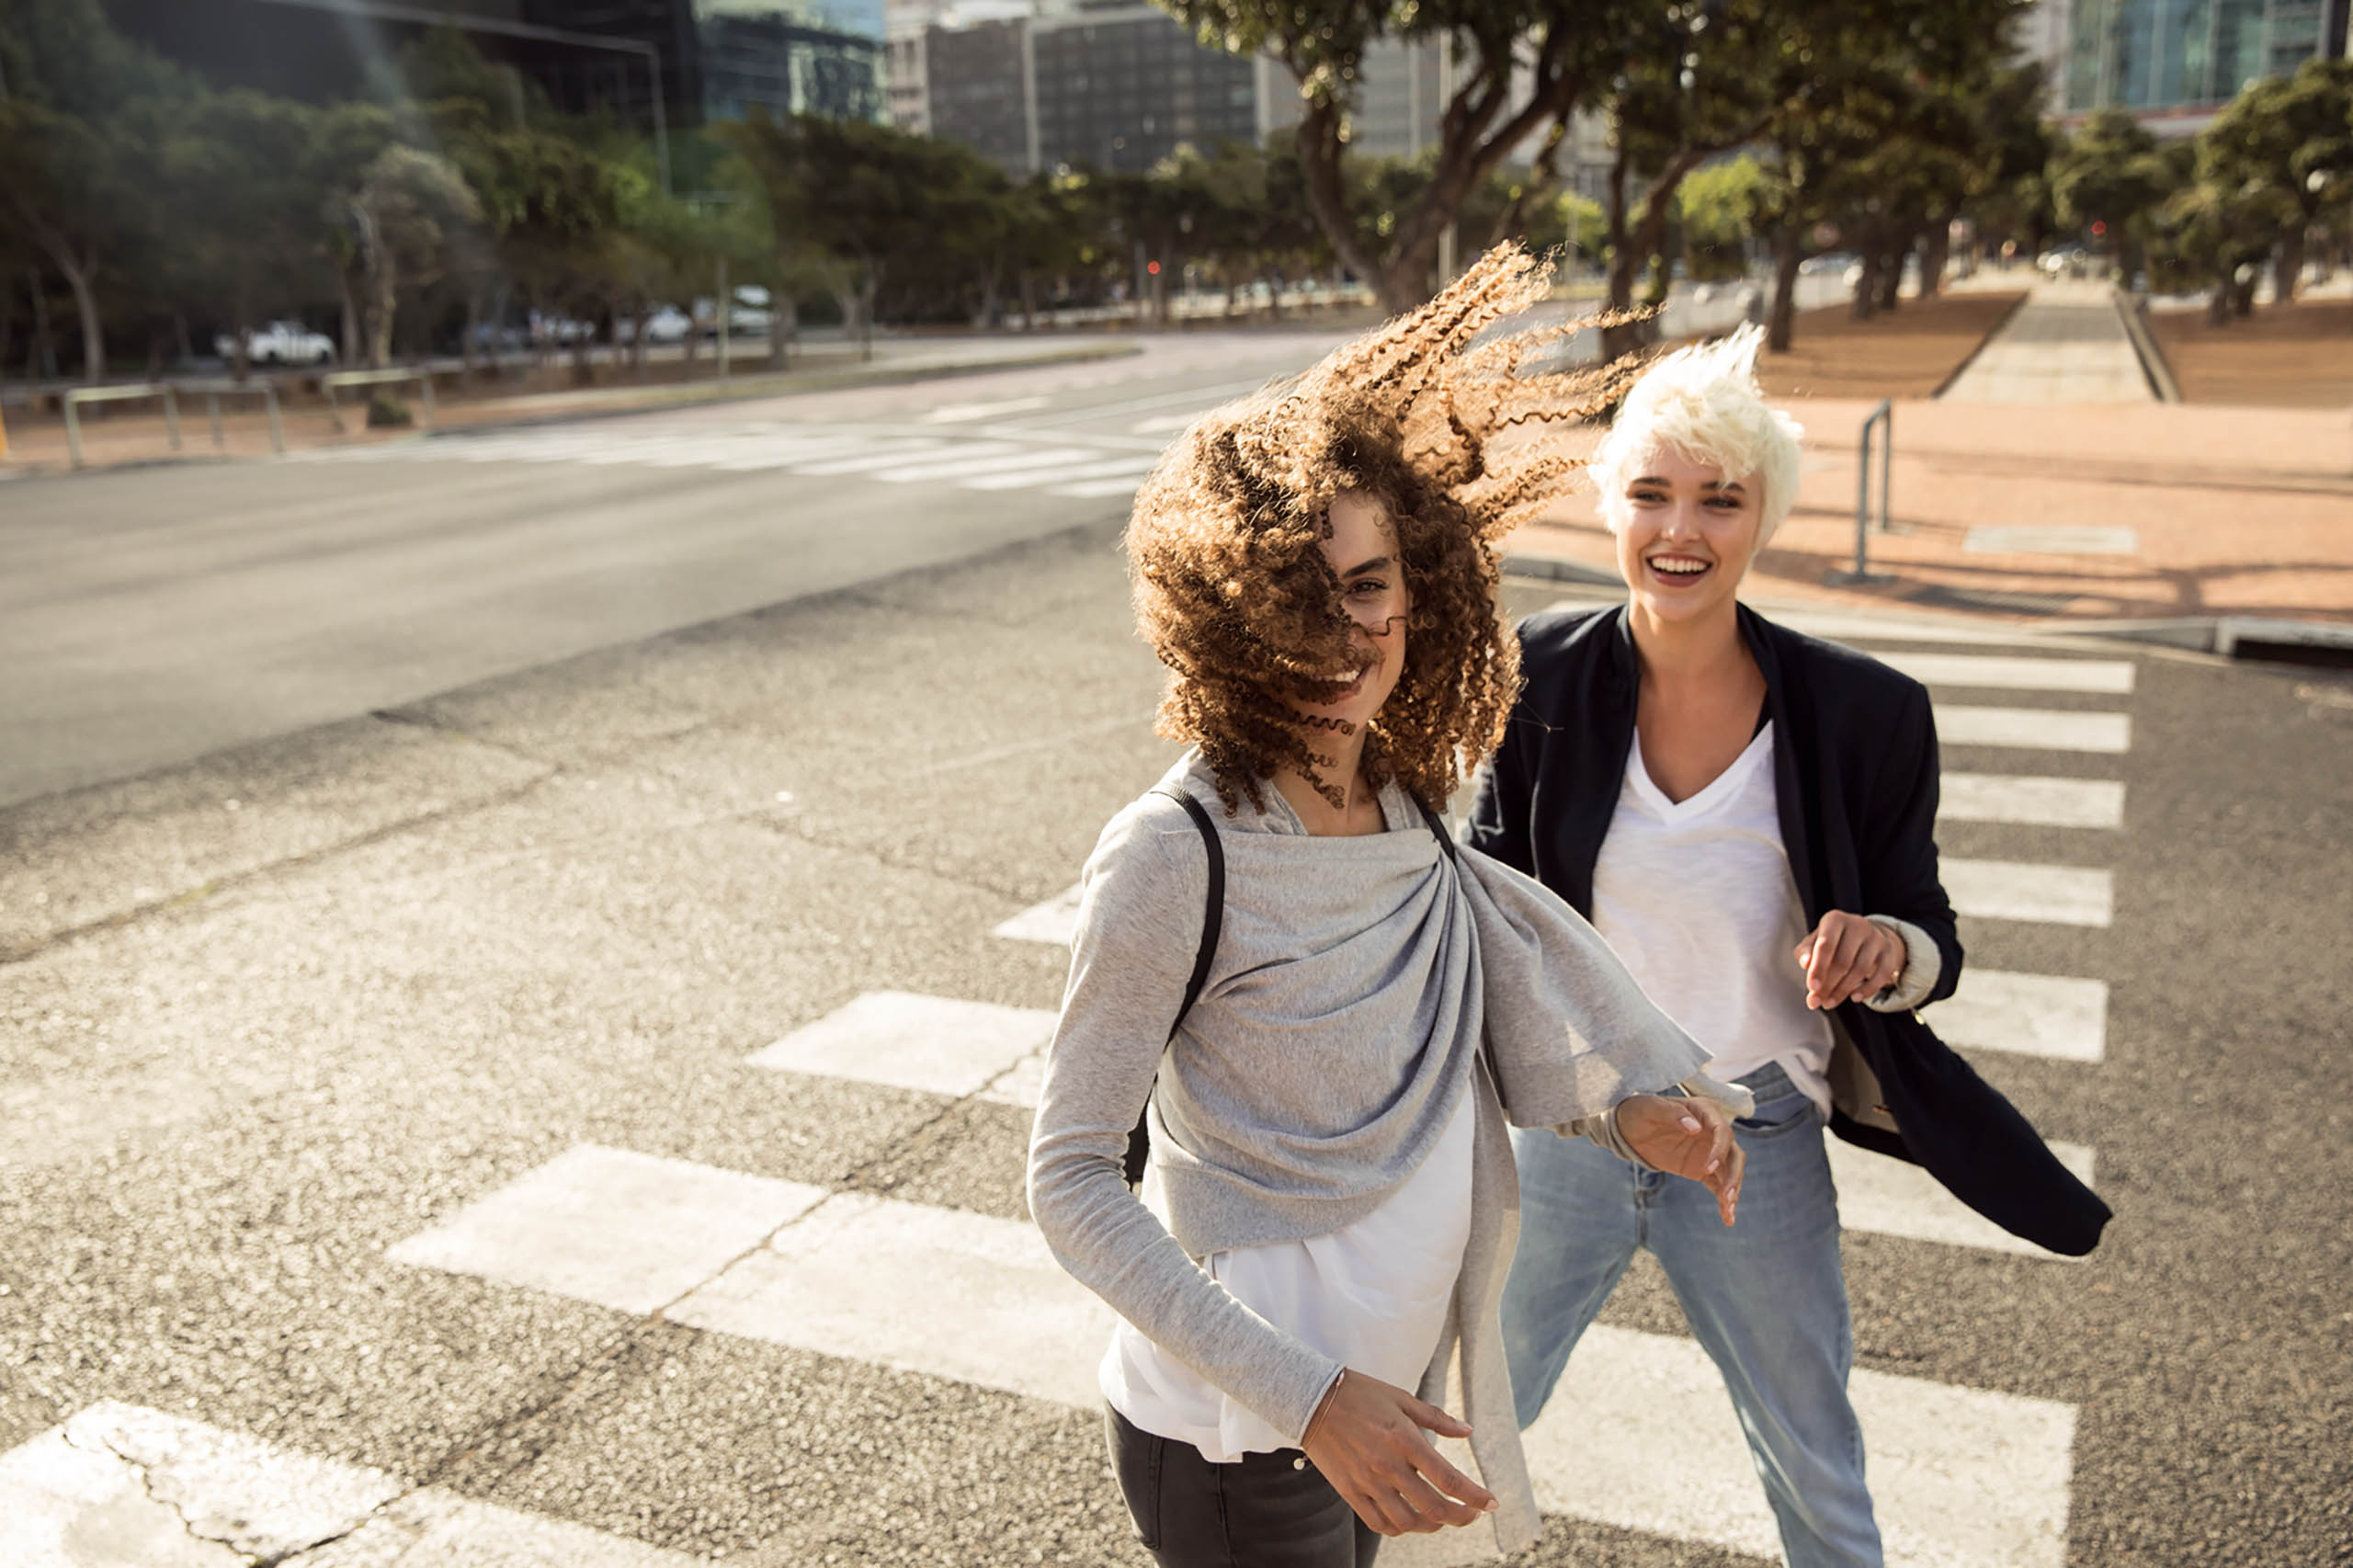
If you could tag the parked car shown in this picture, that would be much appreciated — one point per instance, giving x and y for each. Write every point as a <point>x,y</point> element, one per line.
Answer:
<point>749,316</point>
<point>279,343</point>
<point>664,324</point>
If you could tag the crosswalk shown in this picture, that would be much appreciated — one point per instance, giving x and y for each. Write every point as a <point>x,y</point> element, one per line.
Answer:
<point>1085,466</point>
<point>1963,1476</point>
<point>1960,1475</point>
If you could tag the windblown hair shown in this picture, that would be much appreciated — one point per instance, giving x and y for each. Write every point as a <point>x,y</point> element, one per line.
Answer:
<point>1232,588</point>
<point>1703,401</point>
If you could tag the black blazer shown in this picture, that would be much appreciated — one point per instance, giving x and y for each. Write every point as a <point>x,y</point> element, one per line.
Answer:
<point>1855,769</point>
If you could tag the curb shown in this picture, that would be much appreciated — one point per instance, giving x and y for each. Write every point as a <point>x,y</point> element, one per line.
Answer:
<point>2238,637</point>
<point>1971,357</point>
<point>2154,367</point>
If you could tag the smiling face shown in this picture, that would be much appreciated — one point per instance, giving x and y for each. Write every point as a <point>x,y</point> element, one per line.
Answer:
<point>1362,550</point>
<point>1686,534</point>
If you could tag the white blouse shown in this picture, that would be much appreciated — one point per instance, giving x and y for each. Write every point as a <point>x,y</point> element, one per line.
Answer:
<point>1373,1296</point>
<point>1695,896</point>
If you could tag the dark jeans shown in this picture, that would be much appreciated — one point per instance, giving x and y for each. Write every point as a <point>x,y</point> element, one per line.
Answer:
<point>1262,1511</point>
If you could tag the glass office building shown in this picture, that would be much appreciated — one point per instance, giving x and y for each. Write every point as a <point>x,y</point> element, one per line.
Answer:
<point>2159,55</point>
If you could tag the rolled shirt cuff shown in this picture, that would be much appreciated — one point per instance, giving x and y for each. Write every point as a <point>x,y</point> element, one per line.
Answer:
<point>1922,964</point>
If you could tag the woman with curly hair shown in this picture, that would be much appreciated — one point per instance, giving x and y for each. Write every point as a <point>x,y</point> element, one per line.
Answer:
<point>1311,1273</point>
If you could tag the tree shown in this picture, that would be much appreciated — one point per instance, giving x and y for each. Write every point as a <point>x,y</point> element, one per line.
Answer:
<point>854,200</point>
<point>2111,174</point>
<point>2288,143</point>
<point>1719,209</point>
<point>1522,68</point>
<point>79,134</point>
<point>245,198</point>
<point>400,214</point>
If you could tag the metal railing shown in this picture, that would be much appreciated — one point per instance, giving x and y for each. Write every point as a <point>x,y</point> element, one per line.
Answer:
<point>75,400</point>
<point>1883,417</point>
<point>213,392</point>
<point>424,380</point>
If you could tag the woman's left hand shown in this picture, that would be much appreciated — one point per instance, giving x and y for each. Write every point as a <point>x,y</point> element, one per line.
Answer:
<point>1850,958</point>
<point>1686,1138</point>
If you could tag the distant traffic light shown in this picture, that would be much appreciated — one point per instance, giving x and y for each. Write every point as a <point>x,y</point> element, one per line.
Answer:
<point>1153,267</point>
<point>2100,227</point>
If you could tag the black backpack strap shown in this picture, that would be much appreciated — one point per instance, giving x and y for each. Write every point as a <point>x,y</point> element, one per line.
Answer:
<point>1437,831</point>
<point>1212,922</point>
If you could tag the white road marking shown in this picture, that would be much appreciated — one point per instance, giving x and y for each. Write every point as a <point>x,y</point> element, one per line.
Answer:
<point>2039,801</point>
<point>1890,1197</point>
<point>2060,539</point>
<point>1139,464</point>
<point>864,1278</point>
<point>2028,1015</point>
<point>1098,487</point>
<point>2038,728</point>
<point>2113,677</point>
<point>959,413</point>
<point>930,1043</point>
<point>1642,1436</point>
<point>120,1486</point>
<point>626,1231</point>
<point>890,454</point>
<point>2012,890</point>
<point>1026,464</point>
<point>1054,921</point>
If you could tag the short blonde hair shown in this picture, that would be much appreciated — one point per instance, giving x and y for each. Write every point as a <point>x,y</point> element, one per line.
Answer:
<point>1703,403</point>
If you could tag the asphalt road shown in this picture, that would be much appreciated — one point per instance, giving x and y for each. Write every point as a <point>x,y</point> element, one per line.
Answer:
<point>377,1088</point>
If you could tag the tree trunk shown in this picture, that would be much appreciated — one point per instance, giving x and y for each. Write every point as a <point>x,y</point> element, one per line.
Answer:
<point>471,330</point>
<point>85,305</point>
<point>382,305</point>
<point>352,352</point>
<point>40,362</point>
<point>1890,278</point>
<point>637,338</point>
<point>2288,263</point>
<point>1933,258</point>
<point>865,292</point>
<point>1783,321</point>
<point>1029,300</point>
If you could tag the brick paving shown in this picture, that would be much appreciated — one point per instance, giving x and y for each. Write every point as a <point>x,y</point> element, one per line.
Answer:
<point>2235,510</point>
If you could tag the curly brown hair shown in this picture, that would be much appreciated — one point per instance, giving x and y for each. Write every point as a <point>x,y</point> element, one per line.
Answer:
<point>1232,588</point>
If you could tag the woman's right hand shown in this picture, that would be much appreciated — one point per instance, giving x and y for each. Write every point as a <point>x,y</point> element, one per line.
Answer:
<point>1367,1440</point>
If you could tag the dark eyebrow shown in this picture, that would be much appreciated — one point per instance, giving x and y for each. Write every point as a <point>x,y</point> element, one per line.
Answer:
<point>1377,563</point>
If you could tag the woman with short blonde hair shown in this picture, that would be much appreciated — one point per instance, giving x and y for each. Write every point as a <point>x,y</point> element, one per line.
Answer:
<point>1748,816</point>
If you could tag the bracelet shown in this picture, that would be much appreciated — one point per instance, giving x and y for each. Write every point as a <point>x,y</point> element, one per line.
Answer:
<point>1320,1407</point>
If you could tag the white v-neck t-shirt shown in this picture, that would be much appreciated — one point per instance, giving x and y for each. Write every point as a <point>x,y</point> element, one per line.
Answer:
<point>1695,896</point>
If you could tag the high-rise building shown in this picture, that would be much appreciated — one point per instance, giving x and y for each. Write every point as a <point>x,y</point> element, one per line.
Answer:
<point>654,64</point>
<point>2174,63</point>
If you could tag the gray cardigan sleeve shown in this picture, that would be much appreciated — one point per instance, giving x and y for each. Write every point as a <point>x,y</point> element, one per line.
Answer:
<point>1139,926</point>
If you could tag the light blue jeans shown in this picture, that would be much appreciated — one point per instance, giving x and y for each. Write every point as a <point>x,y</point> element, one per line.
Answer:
<point>1767,1298</point>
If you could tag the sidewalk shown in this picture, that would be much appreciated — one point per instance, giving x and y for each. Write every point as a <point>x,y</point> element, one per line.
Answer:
<point>40,445</point>
<point>2101,511</point>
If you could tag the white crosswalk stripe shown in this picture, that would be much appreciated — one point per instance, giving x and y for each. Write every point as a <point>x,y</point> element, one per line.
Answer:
<point>1961,1476</point>
<point>2016,890</point>
<point>930,1044</point>
<point>2036,729</point>
<point>1890,1197</point>
<point>991,459</point>
<point>2047,803</point>
<point>121,1485</point>
<point>2028,1015</point>
<point>2107,677</point>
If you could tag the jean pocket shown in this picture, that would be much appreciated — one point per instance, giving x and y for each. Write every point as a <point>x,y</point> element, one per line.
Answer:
<point>1781,1114</point>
